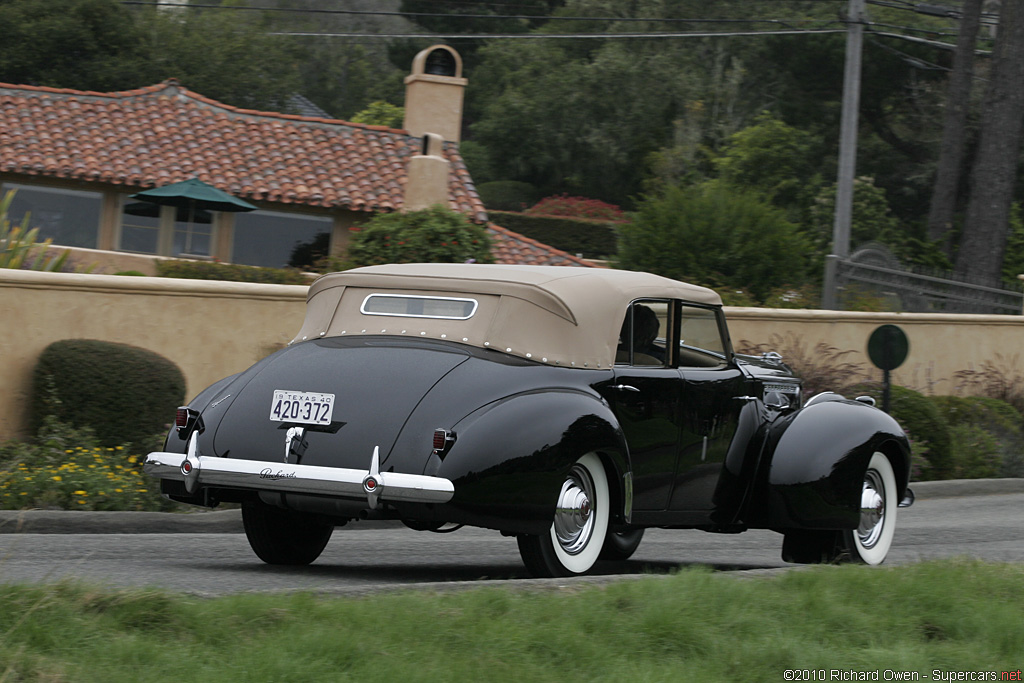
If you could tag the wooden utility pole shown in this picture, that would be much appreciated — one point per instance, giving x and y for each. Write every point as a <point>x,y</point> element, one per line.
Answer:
<point>847,153</point>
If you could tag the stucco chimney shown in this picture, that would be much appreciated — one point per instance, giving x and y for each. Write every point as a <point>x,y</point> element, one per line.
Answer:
<point>427,183</point>
<point>433,93</point>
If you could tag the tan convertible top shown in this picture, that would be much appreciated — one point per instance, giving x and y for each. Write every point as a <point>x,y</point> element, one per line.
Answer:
<point>552,314</point>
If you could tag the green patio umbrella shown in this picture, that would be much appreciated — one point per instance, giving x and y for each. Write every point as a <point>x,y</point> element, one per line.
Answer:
<point>195,196</point>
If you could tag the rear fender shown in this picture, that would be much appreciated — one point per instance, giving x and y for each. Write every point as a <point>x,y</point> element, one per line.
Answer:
<point>816,461</point>
<point>177,443</point>
<point>510,458</point>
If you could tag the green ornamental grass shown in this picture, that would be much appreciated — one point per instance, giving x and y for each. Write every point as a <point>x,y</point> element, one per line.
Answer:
<point>693,626</point>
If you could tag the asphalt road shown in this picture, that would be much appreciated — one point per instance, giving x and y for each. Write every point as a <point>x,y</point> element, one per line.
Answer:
<point>989,524</point>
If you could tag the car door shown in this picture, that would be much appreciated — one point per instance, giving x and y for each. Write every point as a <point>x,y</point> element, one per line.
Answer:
<point>644,395</point>
<point>712,393</point>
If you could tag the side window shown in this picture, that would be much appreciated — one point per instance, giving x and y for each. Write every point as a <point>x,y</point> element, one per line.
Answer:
<point>643,339</point>
<point>700,340</point>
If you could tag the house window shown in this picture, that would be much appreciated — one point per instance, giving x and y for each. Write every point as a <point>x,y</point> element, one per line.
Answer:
<point>140,228</point>
<point>70,218</point>
<point>270,238</point>
<point>193,232</point>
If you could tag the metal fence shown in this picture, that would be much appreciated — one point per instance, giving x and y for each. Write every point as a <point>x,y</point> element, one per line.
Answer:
<point>873,268</point>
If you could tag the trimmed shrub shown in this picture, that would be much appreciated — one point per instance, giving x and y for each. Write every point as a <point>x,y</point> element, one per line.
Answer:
<point>212,270</point>
<point>987,439</point>
<point>717,236</point>
<point>434,235</point>
<point>507,195</point>
<point>592,239</point>
<point>123,393</point>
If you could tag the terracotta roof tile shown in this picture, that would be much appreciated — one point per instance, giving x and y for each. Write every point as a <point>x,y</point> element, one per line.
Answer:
<point>165,133</point>
<point>511,247</point>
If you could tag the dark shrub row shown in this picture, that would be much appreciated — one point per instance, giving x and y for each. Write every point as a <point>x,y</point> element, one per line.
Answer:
<point>592,239</point>
<point>123,393</point>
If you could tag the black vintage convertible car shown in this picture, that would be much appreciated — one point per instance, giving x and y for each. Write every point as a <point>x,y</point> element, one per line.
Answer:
<point>569,407</point>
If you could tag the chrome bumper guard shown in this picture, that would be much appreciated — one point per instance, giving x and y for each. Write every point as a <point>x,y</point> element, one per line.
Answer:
<point>197,470</point>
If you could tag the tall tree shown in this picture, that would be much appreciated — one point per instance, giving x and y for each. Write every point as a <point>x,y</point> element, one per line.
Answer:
<point>986,224</point>
<point>954,126</point>
<point>84,44</point>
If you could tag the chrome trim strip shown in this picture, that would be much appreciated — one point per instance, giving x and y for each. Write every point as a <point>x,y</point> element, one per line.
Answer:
<point>627,502</point>
<point>268,476</point>
<point>364,309</point>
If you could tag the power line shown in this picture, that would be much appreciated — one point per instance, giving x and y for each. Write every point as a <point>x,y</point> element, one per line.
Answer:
<point>923,41</point>
<point>816,26</point>
<point>385,13</point>
<point>915,62</point>
<point>933,10</point>
<point>543,36</point>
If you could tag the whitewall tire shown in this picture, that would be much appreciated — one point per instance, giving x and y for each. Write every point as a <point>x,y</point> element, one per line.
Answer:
<point>869,543</point>
<point>573,543</point>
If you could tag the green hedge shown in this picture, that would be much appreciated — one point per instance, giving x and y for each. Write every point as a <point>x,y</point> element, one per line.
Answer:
<point>592,239</point>
<point>986,436</point>
<point>433,235</point>
<point>123,393</point>
<point>212,270</point>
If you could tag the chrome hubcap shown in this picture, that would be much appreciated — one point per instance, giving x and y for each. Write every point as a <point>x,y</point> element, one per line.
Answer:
<point>872,510</point>
<point>574,518</point>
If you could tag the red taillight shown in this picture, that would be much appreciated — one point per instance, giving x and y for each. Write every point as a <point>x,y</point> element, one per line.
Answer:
<point>443,439</point>
<point>186,420</point>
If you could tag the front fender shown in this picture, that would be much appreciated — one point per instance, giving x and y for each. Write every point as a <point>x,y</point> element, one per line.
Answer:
<point>511,457</point>
<point>816,463</point>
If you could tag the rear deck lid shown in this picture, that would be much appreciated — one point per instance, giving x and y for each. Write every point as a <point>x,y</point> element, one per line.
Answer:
<point>354,394</point>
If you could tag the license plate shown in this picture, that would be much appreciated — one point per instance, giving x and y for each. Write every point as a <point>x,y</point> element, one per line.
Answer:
<point>302,406</point>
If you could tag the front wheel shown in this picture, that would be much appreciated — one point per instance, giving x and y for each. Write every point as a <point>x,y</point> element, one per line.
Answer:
<point>869,543</point>
<point>280,536</point>
<point>577,534</point>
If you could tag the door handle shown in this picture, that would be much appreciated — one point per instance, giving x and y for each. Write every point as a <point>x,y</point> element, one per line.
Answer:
<point>625,387</point>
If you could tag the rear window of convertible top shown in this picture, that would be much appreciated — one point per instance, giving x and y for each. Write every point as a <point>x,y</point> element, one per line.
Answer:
<point>417,306</point>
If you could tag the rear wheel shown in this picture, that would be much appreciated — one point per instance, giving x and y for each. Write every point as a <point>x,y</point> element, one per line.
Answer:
<point>869,543</point>
<point>620,545</point>
<point>577,534</point>
<point>280,536</point>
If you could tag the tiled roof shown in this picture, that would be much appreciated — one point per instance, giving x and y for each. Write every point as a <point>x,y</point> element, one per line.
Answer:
<point>165,133</point>
<point>511,247</point>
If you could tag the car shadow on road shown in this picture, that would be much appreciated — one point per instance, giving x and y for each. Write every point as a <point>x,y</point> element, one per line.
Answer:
<point>433,572</point>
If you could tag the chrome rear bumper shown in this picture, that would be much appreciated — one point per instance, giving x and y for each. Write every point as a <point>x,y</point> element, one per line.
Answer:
<point>371,484</point>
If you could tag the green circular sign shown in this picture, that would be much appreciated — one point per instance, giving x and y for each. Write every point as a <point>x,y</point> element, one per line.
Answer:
<point>888,347</point>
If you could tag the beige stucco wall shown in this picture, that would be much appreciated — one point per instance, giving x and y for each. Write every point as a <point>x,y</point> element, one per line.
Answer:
<point>214,329</point>
<point>210,329</point>
<point>940,344</point>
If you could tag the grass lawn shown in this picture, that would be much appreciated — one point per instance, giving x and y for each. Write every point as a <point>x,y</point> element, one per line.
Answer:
<point>933,619</point>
